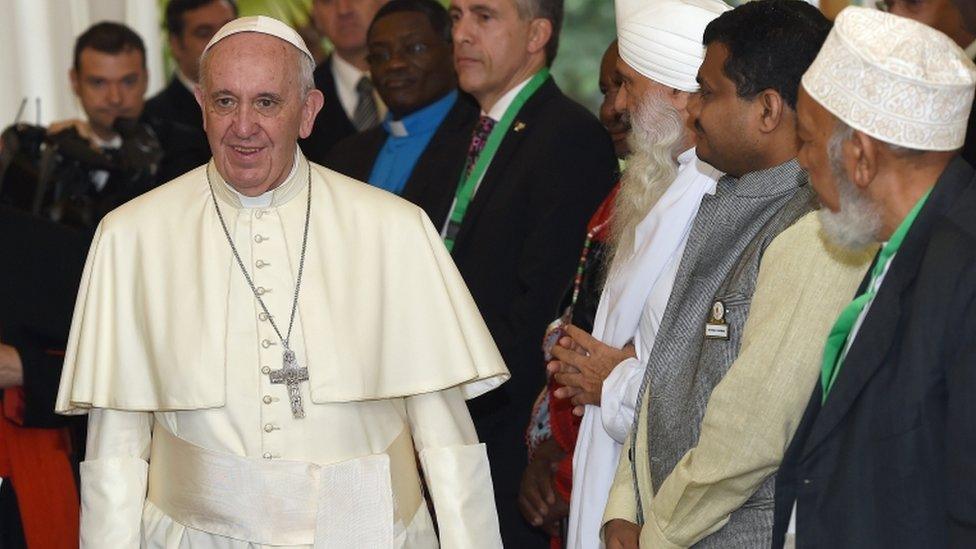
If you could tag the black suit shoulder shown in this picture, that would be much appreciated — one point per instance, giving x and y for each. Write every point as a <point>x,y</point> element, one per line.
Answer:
<point>354,155</point>
<point>175,116</point>
<point>332,124</point>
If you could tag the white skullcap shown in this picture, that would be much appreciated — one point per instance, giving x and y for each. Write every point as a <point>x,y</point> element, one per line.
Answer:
<point>663,40</point>
<point>263,25</point>
<point>894,79</point>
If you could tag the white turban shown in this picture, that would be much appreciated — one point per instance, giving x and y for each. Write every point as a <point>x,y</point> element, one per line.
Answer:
<point>894,79</point>
<point>263,25</point>
<point>662,40</point>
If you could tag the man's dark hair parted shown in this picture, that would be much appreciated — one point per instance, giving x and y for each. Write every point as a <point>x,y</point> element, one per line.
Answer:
<point>435,12</point>
<point>108,37</point>
<point>176,8</point>
<point>545,9</point>
<point>771,44</point>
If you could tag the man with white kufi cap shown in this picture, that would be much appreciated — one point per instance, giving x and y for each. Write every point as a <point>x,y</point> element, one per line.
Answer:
<point>660,51</point>
<point>727,378</point>
<point>884,454</point>
<point>247,344</point>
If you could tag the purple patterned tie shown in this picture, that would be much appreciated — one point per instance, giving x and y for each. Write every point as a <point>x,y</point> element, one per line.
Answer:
<point>478,139</point>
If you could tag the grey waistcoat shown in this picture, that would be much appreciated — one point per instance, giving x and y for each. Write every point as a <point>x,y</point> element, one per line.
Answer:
<point>720,263</point>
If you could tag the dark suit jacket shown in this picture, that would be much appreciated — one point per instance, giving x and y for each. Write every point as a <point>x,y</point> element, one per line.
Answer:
<point>888,460</point>
<point>434,178</point>
<point>332,124</point>
<point>177,120</point>
<point>37,296</point>
<point>517,249</point>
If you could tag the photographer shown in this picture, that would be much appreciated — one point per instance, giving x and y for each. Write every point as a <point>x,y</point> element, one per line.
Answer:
<point>82,169</point>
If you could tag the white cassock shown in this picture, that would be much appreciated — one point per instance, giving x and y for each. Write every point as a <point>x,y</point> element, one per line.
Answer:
<point>189,442</point>
<point>630,310</point>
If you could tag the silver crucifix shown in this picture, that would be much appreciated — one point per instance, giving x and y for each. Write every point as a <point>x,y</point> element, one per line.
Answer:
<point>291,376</point>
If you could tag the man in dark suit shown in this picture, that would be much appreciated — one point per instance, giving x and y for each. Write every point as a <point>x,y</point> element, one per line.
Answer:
<point>420,148</point>
<point>538,165</point>
<point>174,113</point>
<point>883,456</point>
<point>351,103</point>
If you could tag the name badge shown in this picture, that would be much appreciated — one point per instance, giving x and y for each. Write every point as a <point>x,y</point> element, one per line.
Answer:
<point>716,327</point>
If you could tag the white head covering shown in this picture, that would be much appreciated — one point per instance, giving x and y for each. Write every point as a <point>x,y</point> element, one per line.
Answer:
<point>894,79</point>
<point>263,25</point>
<point>663,40</point>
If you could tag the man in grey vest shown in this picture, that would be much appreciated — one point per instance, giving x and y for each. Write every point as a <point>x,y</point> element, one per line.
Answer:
<point>755,292</point>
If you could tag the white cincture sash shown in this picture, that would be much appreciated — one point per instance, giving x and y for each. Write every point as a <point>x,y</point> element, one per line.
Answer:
<point>346,504</point>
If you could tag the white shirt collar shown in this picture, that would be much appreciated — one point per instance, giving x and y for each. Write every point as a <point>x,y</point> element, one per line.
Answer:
<point>187,83</point>
<point>346,78</point>
<point>971,50</point>
<point>498,109</point>
<point>264,199</point>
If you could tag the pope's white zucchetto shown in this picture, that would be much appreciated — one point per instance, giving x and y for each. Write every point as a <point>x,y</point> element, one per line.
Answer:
<point>894,79</point>
<point>262,25</point>
<point>662,40</point>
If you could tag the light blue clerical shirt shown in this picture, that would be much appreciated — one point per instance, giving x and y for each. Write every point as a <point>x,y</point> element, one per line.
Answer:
<point>406,141</point>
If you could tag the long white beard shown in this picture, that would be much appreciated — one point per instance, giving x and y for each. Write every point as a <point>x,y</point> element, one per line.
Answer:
<point>858,222</point>
<point>656,133</point>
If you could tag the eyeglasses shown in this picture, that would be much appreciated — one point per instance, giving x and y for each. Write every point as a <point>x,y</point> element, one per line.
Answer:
<point>380,56</point>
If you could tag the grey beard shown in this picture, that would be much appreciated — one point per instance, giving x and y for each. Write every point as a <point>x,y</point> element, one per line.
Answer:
<point>657,129</point>
<point>858,222</point>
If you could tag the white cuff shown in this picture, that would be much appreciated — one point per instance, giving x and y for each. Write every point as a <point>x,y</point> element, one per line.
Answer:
<point>460,484</point>
<point>113,493</point>
<point>618,399</point>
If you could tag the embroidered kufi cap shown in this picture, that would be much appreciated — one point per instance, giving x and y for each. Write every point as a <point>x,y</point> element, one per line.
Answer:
<point>894,79</point>
<point>662,40</point>
<point>263,25</point>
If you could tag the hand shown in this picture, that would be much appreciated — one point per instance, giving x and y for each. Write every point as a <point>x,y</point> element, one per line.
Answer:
<point>83,128</point>
<point>538,501</point>
<point>582,363</point>
<point>11,369</point>
<point>621,534</point>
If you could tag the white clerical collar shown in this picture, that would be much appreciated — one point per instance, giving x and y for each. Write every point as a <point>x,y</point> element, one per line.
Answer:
<point>498,109</point>
<point>971,50</point>
<point>398,128</point>
<point>187,83</point>
<point>264,199</point>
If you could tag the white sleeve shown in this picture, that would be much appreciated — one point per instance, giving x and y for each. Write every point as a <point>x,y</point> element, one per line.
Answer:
<point>456,468</point>
<point>618,398</point>
<point>114,477</point>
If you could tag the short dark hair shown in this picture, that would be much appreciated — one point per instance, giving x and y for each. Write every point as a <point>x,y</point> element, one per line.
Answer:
<point>545,9</point>
<point>176,8</point>
<point>108,37</point>
<point>435,12</point>
<point>771,44</point>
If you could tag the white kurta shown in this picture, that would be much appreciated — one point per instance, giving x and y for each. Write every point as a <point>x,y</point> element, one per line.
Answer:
<point>369,384</point>
<point>630,309</point>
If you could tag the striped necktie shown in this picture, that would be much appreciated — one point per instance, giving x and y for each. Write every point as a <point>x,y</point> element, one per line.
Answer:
<point>366,115</point>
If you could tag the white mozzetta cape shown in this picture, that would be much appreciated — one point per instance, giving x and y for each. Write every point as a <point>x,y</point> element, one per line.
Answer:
<point>383,311</point>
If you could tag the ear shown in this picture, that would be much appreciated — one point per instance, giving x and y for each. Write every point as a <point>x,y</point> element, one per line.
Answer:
<point>313,104</point>
<point>771,107</point>
<point>540,31</point>
<point>864,158</point>
<point>75,84</point>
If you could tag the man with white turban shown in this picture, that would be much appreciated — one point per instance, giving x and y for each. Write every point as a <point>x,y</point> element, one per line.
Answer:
<point>247,346</point>
<point>884,454</point>
<point>660,52</point>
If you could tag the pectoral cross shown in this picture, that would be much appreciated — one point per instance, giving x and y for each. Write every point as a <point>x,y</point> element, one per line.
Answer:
<point>291,376</point>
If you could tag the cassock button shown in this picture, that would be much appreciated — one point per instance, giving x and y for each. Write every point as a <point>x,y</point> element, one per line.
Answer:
<point>259,239</point>
<point>261,290</point>
<point>268,427</point>
<point>263,317</point>
<point>267,455</point>
<point>267,343</point>
<point>266,370</point>
<point>261,264</point>
<point>266,399</point>
<point>258,214</point>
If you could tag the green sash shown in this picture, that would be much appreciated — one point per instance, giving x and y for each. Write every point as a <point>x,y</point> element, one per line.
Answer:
<point>467,185</point>
<point>848,317</point>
